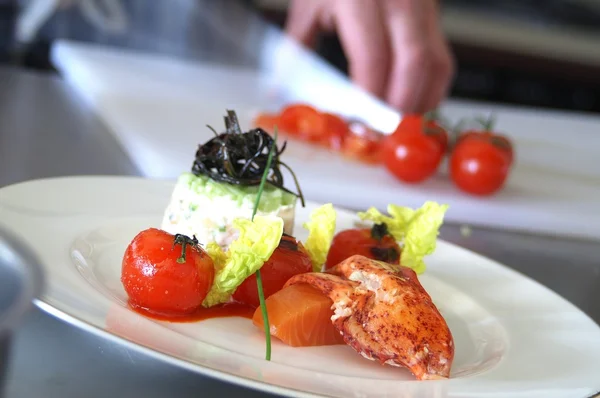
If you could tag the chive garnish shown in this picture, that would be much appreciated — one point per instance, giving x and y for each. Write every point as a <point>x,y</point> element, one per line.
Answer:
<point>261,294</point>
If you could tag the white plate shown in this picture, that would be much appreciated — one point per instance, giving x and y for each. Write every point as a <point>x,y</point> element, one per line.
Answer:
<point>513,337</point>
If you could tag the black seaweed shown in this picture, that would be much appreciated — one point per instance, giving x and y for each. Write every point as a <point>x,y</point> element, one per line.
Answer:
<point>240,158</point>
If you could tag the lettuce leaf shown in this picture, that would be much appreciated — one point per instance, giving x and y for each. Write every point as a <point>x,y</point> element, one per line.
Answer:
<point>415,230</point>
<point>397,223</point>
<point>321,229</point>
<point>421,235</point>
<point>256,242</point>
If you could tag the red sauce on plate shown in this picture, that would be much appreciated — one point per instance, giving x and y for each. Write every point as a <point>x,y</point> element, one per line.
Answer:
<point>201,314</point>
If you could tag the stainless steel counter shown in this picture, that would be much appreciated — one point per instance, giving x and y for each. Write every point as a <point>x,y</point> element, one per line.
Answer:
<point>47,131</point>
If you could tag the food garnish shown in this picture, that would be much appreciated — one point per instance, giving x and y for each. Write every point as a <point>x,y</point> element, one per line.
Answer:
<point>241,158</point>
<point>416,230</point>
<point>161,277</point>
<point>376,243</point>
<point>289,258</point>
<point>257,241</point>
<point>321,229</point>
<point>261,295</point>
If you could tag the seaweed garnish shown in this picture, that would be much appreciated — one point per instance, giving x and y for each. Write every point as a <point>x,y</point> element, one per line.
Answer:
<point>240,158</point>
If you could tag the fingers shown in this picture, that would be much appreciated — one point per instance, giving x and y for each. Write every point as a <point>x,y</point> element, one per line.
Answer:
<point>443,66</point>
<point>360,27</point>
<point>303,20</point>
<point>395,48</point>
<point>421,67</point>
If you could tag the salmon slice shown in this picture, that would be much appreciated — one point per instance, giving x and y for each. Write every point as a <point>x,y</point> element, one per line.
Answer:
<point>300,316</point>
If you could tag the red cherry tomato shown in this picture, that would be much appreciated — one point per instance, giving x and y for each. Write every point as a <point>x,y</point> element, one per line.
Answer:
<point>289,259</point>
<point>480,163</point>
<point>498,140</point>
<point>304,121</point>
<point>154,279</point>
<point>361,241</point>
<point>412,156</point>
<point>422,124</point>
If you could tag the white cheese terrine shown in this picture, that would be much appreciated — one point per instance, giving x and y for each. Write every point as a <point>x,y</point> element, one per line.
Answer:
<point>206,208</point>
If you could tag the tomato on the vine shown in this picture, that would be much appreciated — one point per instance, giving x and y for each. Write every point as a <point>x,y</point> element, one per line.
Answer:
<point>289,258</point>
<point>166,274</point>
<point>375,243</point>
<point>480,162</point>
<point>412,156</point>
<point>428,125</point>
<point>501,141</point>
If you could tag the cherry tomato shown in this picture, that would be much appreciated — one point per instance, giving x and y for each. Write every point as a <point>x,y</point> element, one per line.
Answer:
<point>480,163</point>
<point>362,241</point>
<point>362,143</point>
<point>289,259</point>
<point>267,121</point>
<point>412,156</point>
<point>159,278</point>
<point>422,124</point>
<point>304,121</point>
<point>497,139</point>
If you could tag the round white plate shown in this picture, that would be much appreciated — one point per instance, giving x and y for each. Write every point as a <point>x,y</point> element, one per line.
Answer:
<point>513,337</point>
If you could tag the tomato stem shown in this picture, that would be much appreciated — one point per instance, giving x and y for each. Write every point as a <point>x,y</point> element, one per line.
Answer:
<point>431,116</point>
<point>379,231</point>
<point>489,123</point>
<point>184,240</point>
<point>261,294</point>
<point>456,131</point>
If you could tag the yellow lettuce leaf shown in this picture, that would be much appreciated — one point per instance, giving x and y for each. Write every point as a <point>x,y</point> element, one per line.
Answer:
<point>321,229</point>
<point>256,243</point>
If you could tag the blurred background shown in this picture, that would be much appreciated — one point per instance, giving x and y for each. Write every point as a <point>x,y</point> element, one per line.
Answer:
<point>544,53</point>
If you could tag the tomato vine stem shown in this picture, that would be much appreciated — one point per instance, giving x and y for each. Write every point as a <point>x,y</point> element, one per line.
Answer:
<point>184,240</point>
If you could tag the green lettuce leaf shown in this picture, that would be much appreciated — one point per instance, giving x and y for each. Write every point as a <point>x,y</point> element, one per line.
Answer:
<point>421,235</point>
<point>397,223</point>
<point>415,230</point>
<point>321,229</point>
<point>256,242</point>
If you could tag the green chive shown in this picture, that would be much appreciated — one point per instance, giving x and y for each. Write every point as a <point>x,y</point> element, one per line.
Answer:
<point>261,294</point>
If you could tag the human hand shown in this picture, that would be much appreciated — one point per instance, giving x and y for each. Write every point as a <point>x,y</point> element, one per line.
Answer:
<point>395,48</point>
